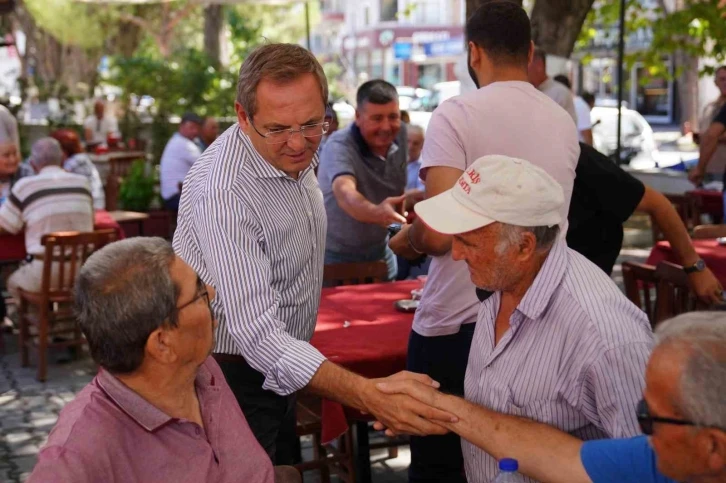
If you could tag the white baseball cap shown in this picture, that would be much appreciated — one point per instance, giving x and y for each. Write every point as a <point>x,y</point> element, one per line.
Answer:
<point>495,188</point>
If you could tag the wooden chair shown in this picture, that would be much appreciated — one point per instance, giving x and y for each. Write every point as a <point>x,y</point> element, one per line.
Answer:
<point>325,457</point>
<point>705,232</point>
<point>641,287</point>
<point>65,252</point>
<point>674,292</point>
<point>688,207</point>
<point>354,273</point>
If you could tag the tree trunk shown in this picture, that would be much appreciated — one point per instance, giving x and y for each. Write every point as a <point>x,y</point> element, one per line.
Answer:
<point>687,83</point>
<point>556,24</point>
<point>213,30</point>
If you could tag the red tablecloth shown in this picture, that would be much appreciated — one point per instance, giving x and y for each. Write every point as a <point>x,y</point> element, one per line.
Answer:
<point>711,203</point>
<point>375,343</point>
<point>709,250</point>
<point>12,247</point>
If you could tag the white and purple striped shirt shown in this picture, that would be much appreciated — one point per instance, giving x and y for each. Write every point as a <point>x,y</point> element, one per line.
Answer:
<point>258,237</point>
<point>574,357</point>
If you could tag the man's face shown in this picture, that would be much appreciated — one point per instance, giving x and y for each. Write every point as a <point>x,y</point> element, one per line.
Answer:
<point>189,129</point>
<point>193,338</point>
<point>490,267</point>
<point>99,109</point>
<point>684,453</point>
<point>721,81</point>
<point>210,130</point>
<point>415,144</point>
<point>379,124</point>
<point>8,159</point>
<point>285,106</point>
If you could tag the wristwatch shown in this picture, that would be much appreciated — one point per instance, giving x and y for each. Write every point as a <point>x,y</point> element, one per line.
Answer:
<point>699,266</point>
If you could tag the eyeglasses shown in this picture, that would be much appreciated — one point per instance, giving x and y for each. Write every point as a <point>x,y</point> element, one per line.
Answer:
<point>646,420</point>
<point>204,293</point>
<point>281,136</point>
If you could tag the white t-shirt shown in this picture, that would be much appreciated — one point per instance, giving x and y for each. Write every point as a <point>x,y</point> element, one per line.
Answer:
<point>509,118</point>
<point>100,128</point>
<point>561,95</point>
<point>179,155</point>
<point>582,109</point>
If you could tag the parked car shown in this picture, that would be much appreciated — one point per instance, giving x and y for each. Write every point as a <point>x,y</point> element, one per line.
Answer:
<point>440,92</point>
<point>407,95</point>
<point>637,140</point>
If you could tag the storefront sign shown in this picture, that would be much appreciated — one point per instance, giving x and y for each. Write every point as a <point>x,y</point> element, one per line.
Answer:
<point>444,48</point>
<point>402,50</point>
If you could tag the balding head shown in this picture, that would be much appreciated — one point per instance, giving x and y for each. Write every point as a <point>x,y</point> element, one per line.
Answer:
<point>46,152</point>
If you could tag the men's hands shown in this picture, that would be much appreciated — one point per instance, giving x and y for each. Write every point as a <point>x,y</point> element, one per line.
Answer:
<point>388,211</point>
<point>706,286</point>
<point>400,413</point>
<point>696,175</point>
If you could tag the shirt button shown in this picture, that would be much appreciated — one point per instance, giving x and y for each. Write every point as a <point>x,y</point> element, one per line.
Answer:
<point>310,213</point>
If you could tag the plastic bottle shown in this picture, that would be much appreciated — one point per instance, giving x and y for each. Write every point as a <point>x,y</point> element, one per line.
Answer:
<point>507,471</point>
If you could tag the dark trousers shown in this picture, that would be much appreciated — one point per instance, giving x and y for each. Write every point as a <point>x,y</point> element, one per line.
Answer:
<point>172,204</point>
<point>444,358</point>
<point>271,417</point>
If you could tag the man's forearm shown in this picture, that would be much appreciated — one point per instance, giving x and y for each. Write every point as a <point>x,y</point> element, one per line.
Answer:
<point>428,241</point>
<point>358,207</point>
<point>670,223</point>
<point>333,382</point>
<point>706,151</point>
<point>543,452</point>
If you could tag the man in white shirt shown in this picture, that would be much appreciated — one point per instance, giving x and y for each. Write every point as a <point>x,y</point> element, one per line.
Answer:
<point>179,155</point>
<point>506,116</point>
<point>554,90</point>
<point>98,126</point>
<point>582,109</point>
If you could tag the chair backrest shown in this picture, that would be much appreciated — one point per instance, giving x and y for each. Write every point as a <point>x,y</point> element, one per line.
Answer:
<point>65,252</point>
<point>688,207</point>
<point>354,273</point>
<point>674,292</point>
<point>641,287</point>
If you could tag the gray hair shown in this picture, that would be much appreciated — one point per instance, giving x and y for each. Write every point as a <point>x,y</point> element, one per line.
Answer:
<point>124,292</point>
<point>703,381</point>
<point>511,235</point>
<point>278,63</point>
<point>415,128</point>
<point>46,152</point>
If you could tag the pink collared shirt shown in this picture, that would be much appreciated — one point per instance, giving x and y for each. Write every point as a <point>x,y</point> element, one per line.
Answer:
<point>110,433</point>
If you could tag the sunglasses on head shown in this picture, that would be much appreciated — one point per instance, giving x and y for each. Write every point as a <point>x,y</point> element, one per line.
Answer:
<point>646,419</point>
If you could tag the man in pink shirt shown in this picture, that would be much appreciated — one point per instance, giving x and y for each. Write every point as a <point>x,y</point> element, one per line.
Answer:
<point>506,116</point>
<point>159,408</point>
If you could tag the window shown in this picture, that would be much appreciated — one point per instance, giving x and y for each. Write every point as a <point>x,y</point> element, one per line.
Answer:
<point>389,10</point>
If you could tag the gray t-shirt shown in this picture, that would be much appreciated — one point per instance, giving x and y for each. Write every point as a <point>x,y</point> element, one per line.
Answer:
<point>346,153</point>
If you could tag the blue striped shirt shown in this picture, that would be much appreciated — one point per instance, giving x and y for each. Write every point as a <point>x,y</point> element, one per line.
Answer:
<point>574,356</point>
<point>257,236</point>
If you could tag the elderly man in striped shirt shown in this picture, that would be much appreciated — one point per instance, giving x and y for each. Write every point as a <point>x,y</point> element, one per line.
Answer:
<point>252,224</point>
<point>555,341</point>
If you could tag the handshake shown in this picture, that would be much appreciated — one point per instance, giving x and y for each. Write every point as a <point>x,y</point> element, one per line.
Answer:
<point>408,403</point>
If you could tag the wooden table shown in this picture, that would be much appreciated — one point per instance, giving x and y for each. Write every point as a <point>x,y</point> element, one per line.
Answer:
<point>131,222</point>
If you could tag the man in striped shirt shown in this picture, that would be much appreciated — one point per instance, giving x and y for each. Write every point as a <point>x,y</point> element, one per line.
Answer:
<point>51,201</point>
<point>252,224</point>
<point>556,341</point>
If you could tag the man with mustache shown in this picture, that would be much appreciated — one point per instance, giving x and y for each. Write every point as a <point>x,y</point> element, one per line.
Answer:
<point>363,176</point>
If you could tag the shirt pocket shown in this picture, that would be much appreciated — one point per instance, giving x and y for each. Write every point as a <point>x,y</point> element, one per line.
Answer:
<point>500,398</point>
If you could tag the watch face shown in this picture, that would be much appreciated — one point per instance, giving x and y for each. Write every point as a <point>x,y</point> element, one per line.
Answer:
<point>700,265</point>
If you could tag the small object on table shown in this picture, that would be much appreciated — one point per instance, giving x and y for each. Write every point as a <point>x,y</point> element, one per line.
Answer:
<point>406,306</point>
<point>721,240</point>
<point>346,324</point>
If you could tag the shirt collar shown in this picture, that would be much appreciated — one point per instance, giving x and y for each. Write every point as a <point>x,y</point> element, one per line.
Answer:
<point>363,145</point>
<point>546,282</point>
<point>260,167</point>
<point>139,409</point>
